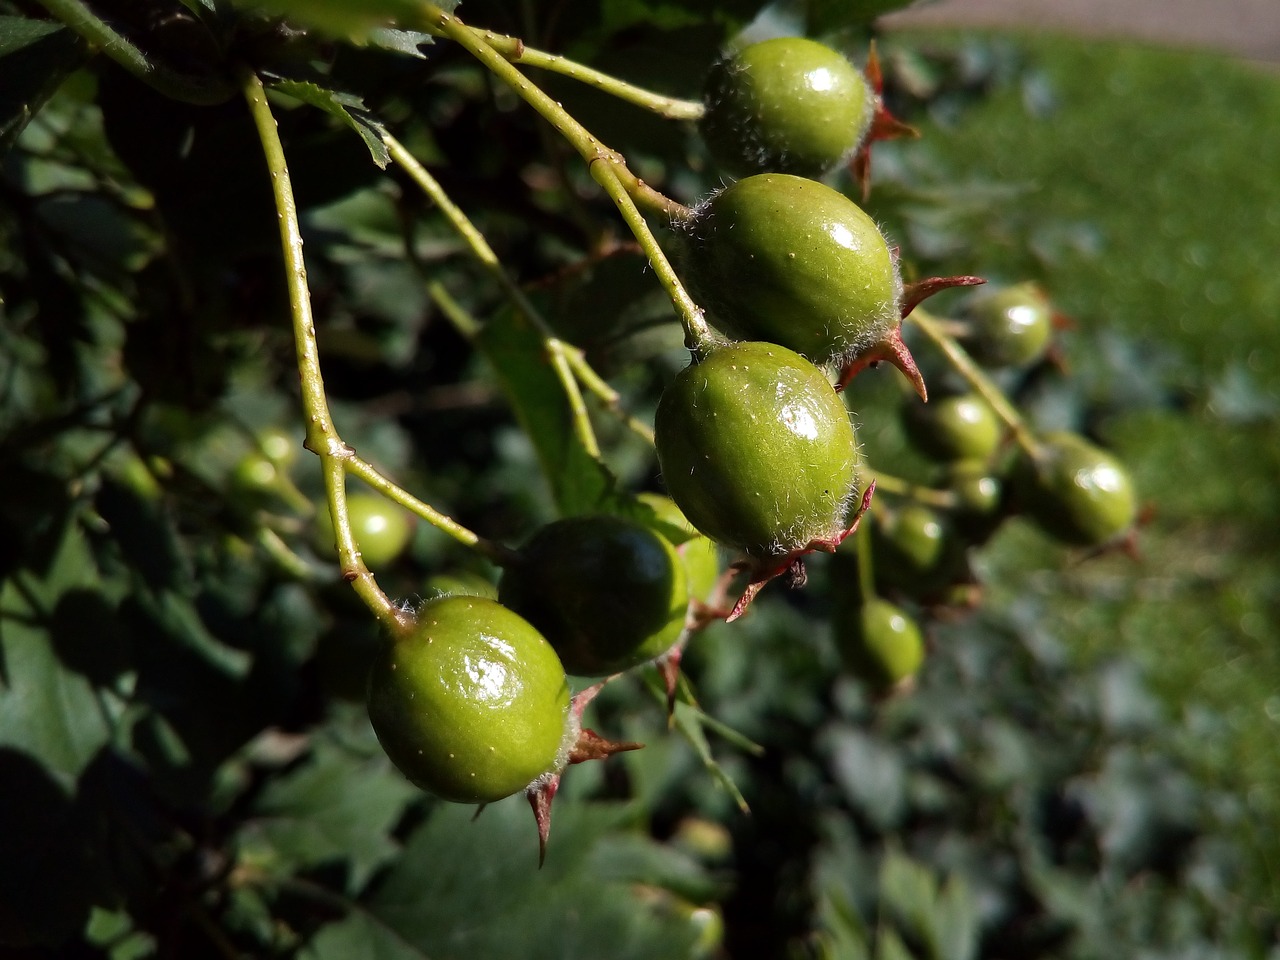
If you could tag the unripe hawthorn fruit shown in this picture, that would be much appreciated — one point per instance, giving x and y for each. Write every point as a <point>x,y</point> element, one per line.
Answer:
<point>916,551</point>
<point>607,592</point>
<point>791,261</point>
<point>700,556</point>
<point>1009,326</point>
<point>382,529</point>
<point>978,493</point>
<point>787,105</point>
<point>879,643</point>
<point>1074,490</point>
<point>959,427</point>
<point>757,449</point>
<point>471,703</point>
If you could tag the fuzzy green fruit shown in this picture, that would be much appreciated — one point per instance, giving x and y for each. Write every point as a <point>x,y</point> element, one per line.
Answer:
<point>880,643</point>
<point>471,704</point>
<point>1075,491</point>
<point>607,592</point>
<point>1009,326</point>
<point>757,449</point>
<point>791,261</point>
<point>787,105</point>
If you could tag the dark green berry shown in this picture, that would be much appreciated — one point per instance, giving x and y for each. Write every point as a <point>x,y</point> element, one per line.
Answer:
<point>1009,326</point>
<point>959,427</point>
<point>608,593</point>
<point>879,643</point>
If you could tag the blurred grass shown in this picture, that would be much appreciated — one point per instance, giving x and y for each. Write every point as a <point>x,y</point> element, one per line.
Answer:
<point>1148,202</point>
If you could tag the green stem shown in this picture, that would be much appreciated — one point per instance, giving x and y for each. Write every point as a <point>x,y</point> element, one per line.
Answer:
<point>610,397</point>
<point>494,551</point>
<point>885,483</point>
<point>582,140</point>
<point>474,239</point>
<point>936,330</point>
<point>697,333</point>
<point>205,91</point>
<point>866,572</point>
<point>322,438</point>
<point>514,50</point>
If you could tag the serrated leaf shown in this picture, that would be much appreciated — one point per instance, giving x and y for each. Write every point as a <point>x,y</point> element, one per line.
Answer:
<point>351,19</point>
<point>346,107</point>
<point>338,806</point>
<point>46,709</point>
<point>579,482</point>
<point>401,41</point>
<point>465,888</point>
<point>35,57</point>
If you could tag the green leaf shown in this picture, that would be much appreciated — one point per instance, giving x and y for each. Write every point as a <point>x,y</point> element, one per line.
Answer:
<point>579,482</point>
<point>35,57</point>
<point>467,888</point>
<point>346,107</point>
<point>47,710</point>
<point>338,806</point>
<point>353,19</point>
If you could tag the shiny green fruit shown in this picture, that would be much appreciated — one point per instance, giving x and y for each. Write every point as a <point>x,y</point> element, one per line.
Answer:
<point>1075,491</point>
<point>915,549</point>
<point>757,449</point>
<point>979,494</point>
<point>608,593</point>
<point>471,704</point>
<point>791,261</point>
<point>701,557</point>
<point>961,427</point>
<point>787,105</point>
<point>461,583</point>
<point>880,643</point>
<point>1009,326</point>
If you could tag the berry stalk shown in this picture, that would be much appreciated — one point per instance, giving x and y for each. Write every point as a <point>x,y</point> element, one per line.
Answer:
<point>935,329</point>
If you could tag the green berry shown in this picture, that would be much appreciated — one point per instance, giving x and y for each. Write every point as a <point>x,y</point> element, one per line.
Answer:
<point>471,704</point>
<point>978,494</point>
<point>461,583</point>
<point>382,529</point>
<point>757,449</point>
<point>879,643</point>
<point>1075,491</point>
<point>787,105</point>
<point>791,261</point>
<point>1009,326</point>
<point>915,549</point>
<point>962,427</point>
<point>607,592</point>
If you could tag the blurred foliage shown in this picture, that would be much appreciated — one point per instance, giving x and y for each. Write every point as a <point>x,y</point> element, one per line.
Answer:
<point>1087,766</point>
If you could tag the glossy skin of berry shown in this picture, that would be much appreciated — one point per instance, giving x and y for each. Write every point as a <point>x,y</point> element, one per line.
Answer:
<point>700,556</point>
<point>787,105</point>
<point>915,550</point>
<point>472,703</point>
<point>978,492</point>
<point>791,261</point>
<point>608,593</point>
<point>1075,491</point>
<point>381,529</point>
<point>757,449</point>
<point>1009,326</point>
<point>880,643</point>
<point>960,427</point>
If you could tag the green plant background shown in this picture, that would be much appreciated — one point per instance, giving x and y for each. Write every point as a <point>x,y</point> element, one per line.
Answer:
<point>1088,766</point>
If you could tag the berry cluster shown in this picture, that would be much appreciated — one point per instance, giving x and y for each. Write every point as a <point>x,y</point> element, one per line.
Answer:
<point>797,291</point>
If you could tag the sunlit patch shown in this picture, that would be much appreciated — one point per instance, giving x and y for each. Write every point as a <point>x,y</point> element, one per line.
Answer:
<point>842,236</point>
<point>820,79</point>
<point>799,420</point>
